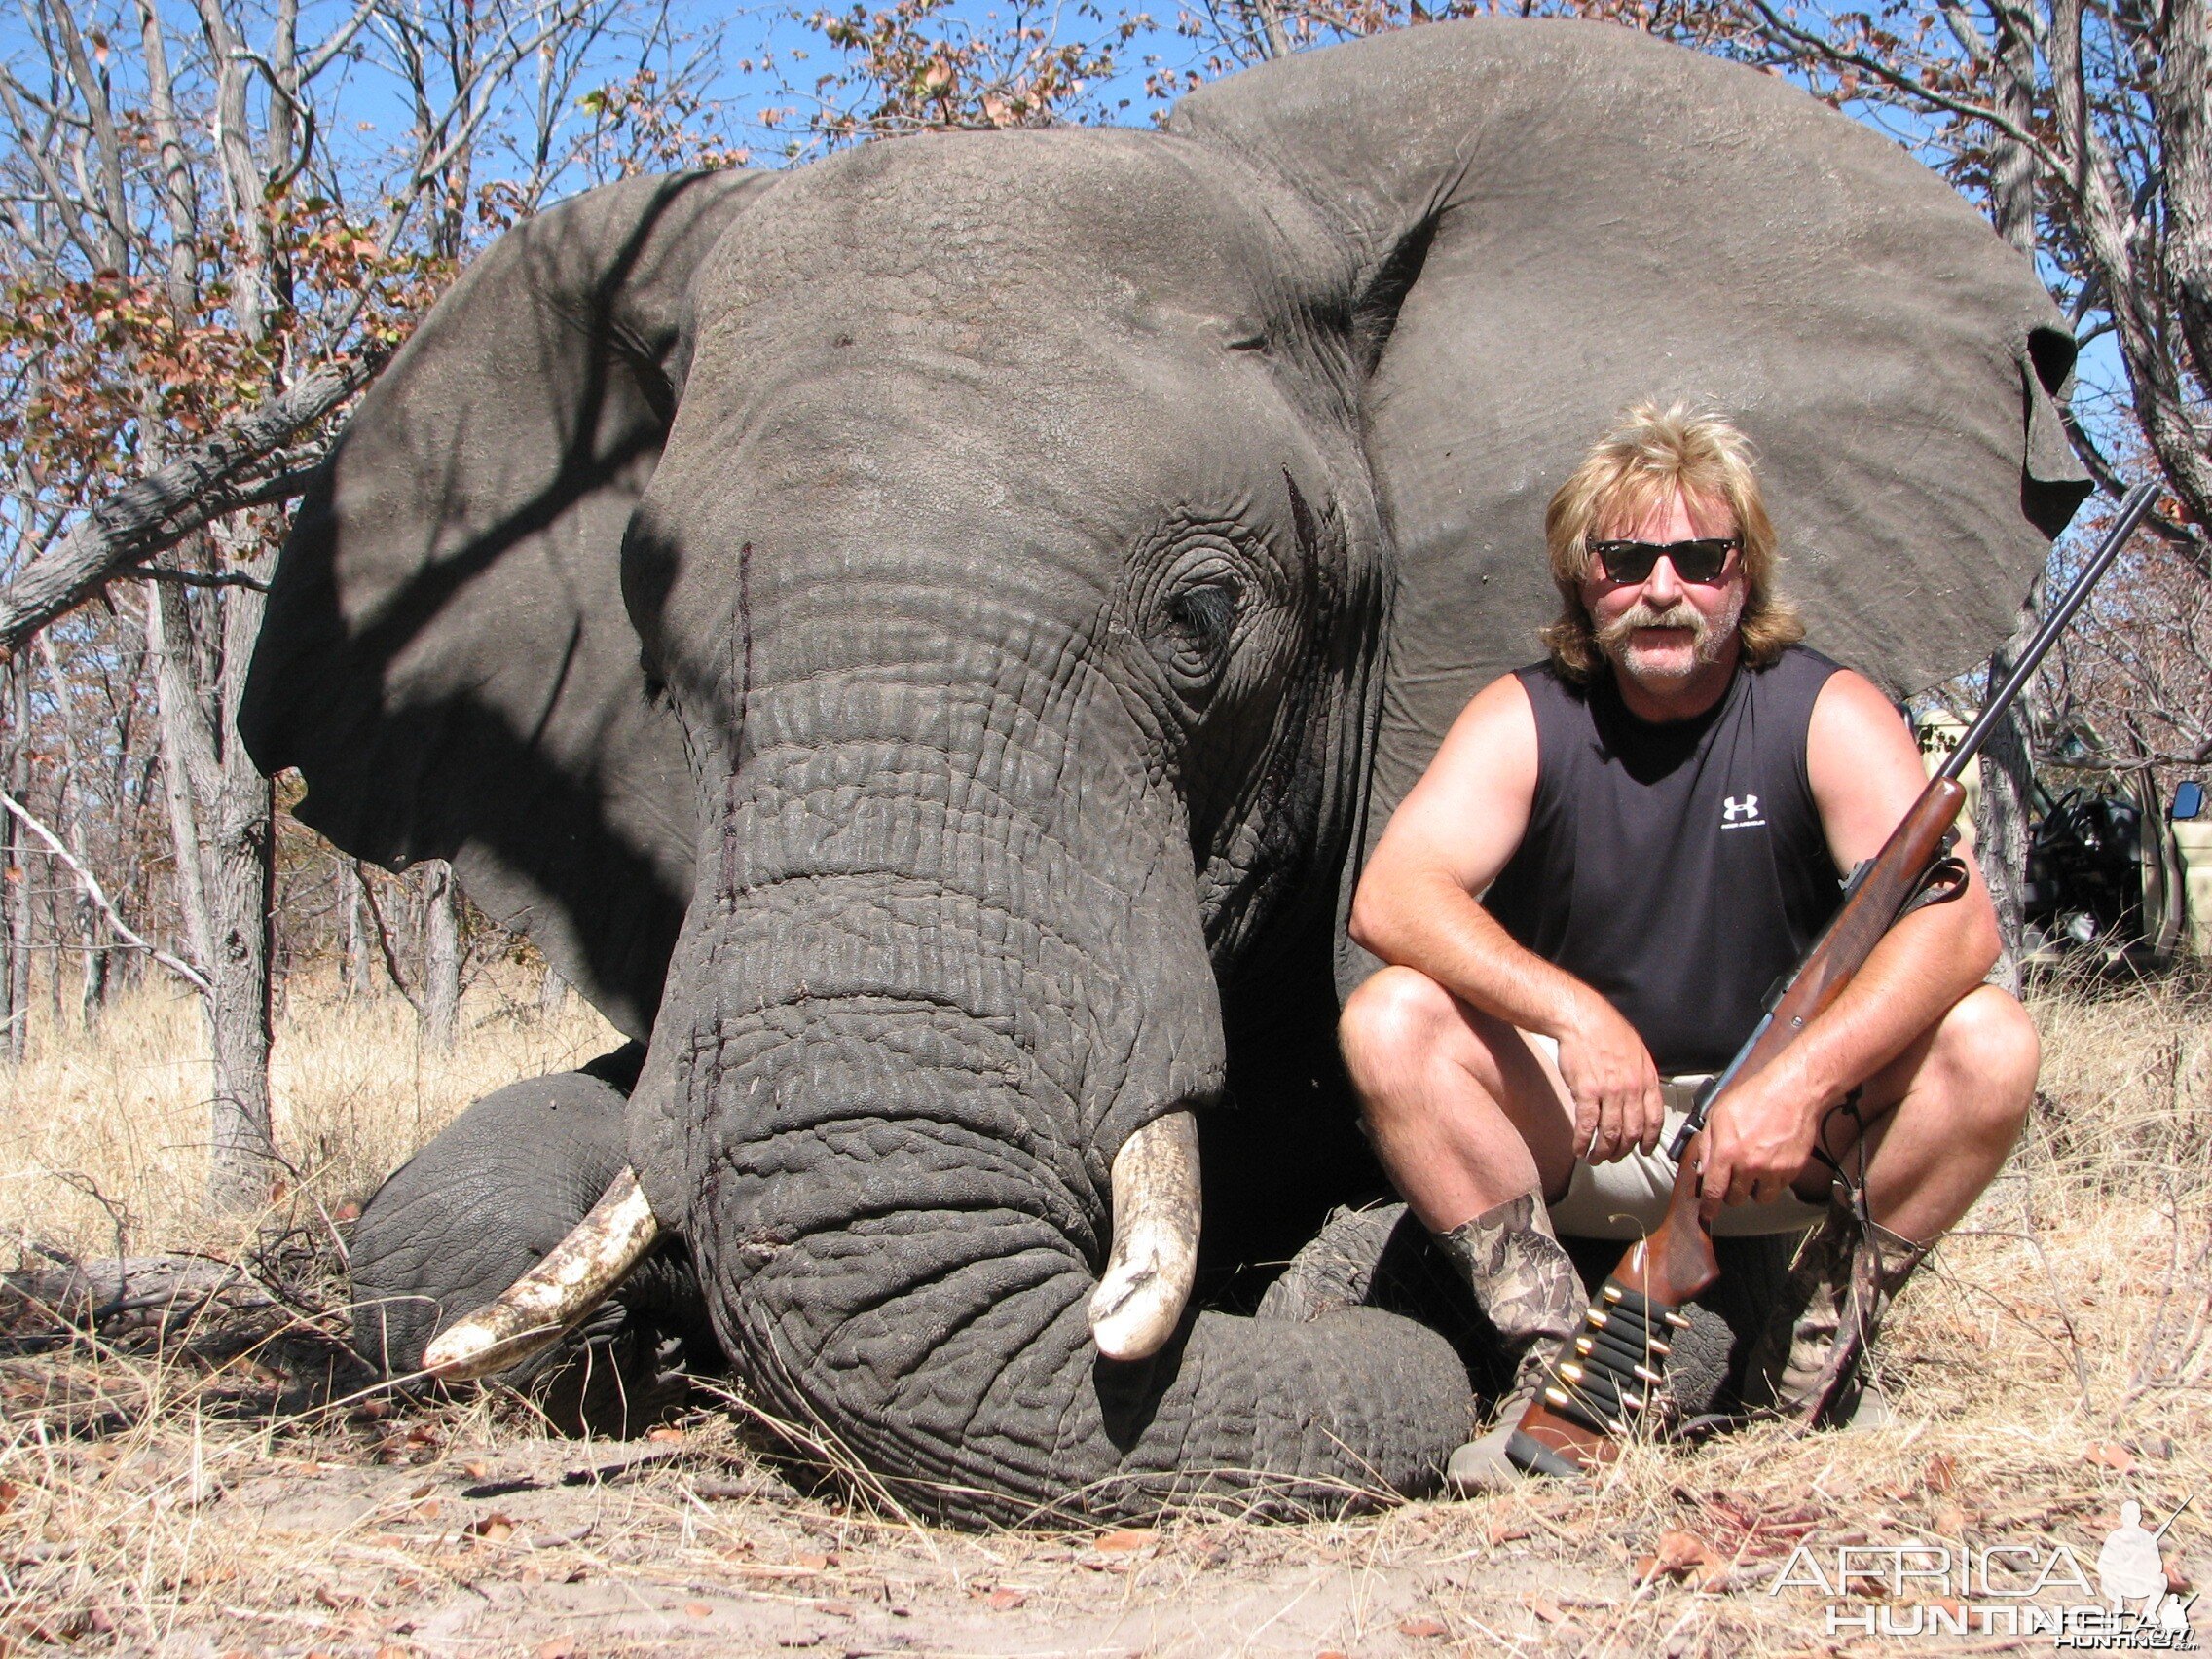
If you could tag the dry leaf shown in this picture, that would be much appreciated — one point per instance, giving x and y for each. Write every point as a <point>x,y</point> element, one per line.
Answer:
<point>1004,1601</point>
<point>1683,1556</point>
<point>493,1529</point>
<point>1423,1627</point>
<point>1124,1539</point>
<point>559,1648</point>
<point>422,1491</point>
<point>1207,1552</point>
<point>2117,1458</point>
<point>699,1610</point>
<point>1942,1474</point>
<point>1503,1531</point>
<point>475,1471</point>
<point>666,1436</point>
<point>431,1510</point>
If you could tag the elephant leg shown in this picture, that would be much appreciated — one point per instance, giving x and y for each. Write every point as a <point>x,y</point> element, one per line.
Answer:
<point>476,1208</point>
<point>1378,1255</point>
<point>1381,1257</point>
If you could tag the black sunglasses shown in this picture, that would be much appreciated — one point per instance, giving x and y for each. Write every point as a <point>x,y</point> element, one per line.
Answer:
<point>1698,561</point>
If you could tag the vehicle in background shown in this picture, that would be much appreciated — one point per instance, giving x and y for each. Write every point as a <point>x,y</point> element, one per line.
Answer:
<point>2112,870</point>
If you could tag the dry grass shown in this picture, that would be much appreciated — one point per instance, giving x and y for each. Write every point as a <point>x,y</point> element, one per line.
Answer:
<point>122,1114</point>
<point>154,1498</point>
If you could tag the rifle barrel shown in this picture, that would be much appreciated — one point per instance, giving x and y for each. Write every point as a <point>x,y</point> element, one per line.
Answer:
<point>2133,505</point>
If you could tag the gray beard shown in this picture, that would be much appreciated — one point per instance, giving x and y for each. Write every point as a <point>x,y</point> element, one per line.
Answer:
<point>1708,643</point>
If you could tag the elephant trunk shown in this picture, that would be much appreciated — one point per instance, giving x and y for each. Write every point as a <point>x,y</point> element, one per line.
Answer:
<point>918,1045</point>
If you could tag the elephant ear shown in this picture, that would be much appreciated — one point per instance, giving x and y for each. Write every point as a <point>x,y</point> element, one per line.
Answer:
<point>446,657</point>
<point>1552,220</point>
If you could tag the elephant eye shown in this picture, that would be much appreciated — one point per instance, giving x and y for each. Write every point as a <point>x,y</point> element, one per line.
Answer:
<point>1201,616</point>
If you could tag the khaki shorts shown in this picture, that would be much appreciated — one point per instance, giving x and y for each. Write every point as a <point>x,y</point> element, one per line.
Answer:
<point>1627,1198</point>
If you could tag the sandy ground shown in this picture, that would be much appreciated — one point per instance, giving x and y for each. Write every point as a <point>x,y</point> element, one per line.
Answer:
<point>172,1507</point>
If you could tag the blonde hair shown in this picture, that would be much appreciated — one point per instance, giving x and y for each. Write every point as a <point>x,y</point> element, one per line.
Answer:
<point>1639,466</point>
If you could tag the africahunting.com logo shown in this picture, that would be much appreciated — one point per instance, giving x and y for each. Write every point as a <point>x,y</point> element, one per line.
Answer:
<point>2017,1589</point>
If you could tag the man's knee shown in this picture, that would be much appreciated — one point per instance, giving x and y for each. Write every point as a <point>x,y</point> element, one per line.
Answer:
<point>1986,1054</point>
<point>1390,1023</point>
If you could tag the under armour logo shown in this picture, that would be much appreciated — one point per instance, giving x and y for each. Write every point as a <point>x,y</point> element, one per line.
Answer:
<point>1741,812</point>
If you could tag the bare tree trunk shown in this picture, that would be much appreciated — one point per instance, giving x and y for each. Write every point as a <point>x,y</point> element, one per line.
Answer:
<point>2001,817</point>
<point>240,1018</point>
<point>242,885</point>
<point>226,870</point>
<point>57,931</point>
<point>14,888</point>
<point>11,897</point>
<point>20,880</point>
<point>552,993</point>
<point>73,818</point>
<point>175,691</point>
<point>353,935</point>
<point>441,955</point>
<point>92,1006</point>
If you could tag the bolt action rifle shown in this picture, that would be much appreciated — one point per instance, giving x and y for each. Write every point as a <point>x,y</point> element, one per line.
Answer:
<point>1603,1375</point>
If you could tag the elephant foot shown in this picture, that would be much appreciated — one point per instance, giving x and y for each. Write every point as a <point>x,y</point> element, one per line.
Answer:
<point>480,1204</point>
<point>633,1364</point>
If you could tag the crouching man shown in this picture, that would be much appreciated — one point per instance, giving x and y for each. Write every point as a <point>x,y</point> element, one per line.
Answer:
<point>1585,899</point>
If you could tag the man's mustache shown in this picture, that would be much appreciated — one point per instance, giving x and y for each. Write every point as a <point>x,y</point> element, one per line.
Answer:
<point>1679,614</point>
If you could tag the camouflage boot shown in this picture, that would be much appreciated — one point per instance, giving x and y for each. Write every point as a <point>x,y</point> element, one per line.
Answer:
<point>1804,1364</point>
<point>1525,1284</point>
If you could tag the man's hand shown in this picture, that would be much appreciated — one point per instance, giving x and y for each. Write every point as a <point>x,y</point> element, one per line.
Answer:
<point>1612,1081</point>
<point>1758,1141</point>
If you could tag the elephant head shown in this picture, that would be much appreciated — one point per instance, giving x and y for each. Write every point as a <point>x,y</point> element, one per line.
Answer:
<point>920,634</point>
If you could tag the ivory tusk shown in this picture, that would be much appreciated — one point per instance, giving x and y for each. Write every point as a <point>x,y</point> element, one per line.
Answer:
<point>573,1278</point>
<point>1139,1301</point>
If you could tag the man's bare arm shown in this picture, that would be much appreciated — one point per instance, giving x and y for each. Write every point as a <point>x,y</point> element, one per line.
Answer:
<point>1456,828</point>
<point>1865,774</point>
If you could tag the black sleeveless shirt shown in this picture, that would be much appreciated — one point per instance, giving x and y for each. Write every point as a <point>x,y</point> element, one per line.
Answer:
<point>1678,869</point>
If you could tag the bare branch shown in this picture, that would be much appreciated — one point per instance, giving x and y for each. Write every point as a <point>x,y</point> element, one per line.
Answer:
<point>197,579</point>
<point>98,895</point>
<point>328,51</point>
<point>162,508</point>
<point>1781,28</point>
<point>384,945</point>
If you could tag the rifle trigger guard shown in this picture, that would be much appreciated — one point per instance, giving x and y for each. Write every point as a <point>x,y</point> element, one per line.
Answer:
<point>1943,881</point>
